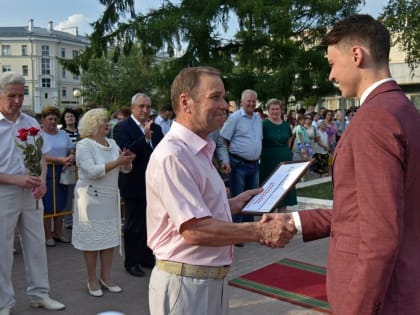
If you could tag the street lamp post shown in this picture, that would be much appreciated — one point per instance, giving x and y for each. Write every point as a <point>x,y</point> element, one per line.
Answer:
<point>76,94</point>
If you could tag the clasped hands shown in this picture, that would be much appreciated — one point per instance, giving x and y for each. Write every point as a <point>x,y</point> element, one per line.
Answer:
<point>126,157</point>
<point>277,229</point>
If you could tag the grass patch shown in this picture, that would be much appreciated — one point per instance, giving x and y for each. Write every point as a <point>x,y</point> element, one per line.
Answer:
<point>320,191</point>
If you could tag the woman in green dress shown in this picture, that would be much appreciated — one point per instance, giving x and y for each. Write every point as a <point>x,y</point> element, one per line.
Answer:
<point>277,137</point>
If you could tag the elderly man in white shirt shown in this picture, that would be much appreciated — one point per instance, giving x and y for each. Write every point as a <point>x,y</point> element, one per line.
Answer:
<point>19,192</point>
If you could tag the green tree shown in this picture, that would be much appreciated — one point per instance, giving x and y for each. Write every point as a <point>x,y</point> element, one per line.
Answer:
<point>111,83</point>
<point>402,19</point>
<point>275,51</point>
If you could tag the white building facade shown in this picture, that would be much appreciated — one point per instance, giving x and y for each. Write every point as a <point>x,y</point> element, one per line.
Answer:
<point>35,53</point>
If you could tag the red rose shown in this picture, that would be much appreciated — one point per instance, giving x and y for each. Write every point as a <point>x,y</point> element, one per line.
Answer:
<point>33,131</point>
<point>23,134</point>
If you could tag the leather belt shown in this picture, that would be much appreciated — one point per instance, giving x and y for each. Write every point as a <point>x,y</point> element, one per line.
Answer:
<point>192,271</point>
<point>242,159</point>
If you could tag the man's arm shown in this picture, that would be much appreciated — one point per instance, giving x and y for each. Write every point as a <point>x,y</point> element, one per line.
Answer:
<point>315,223</point>
<point>212,232</point>
<point>24,181</point>
<point>311,224</point>
<point>222,153</point>
<point>126,140</point>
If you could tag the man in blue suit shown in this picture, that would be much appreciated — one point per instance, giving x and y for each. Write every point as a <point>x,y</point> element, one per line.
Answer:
<point>140,135</point>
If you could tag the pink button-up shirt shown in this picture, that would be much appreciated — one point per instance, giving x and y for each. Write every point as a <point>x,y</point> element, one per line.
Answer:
<point>182,184</point>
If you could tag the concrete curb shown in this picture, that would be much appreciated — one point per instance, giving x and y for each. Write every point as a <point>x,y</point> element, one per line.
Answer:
<point>311,203</point>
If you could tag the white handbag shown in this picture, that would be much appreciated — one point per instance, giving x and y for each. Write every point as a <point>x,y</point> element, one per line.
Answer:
<point>68,175</point>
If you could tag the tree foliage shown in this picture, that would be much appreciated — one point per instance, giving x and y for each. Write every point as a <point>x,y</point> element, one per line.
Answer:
<point>402,17</point>
<point>274,51</point>
<point>112,83</point>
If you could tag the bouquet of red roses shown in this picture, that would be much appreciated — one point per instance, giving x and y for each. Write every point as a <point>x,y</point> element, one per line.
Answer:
<point>32,151</point>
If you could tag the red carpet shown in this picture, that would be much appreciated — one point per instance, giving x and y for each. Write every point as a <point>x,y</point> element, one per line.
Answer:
<point>289,280</point>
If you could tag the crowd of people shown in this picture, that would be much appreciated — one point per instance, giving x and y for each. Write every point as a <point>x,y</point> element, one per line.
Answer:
<point>172,171</point>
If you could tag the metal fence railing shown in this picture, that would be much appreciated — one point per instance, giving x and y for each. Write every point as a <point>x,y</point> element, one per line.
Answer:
<point>54,195</point>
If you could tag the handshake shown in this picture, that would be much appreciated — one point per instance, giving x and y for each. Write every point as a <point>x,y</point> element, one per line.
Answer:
<point>276,229</point>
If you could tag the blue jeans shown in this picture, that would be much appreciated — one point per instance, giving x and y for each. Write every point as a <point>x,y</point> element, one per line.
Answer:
<point>244,176</point>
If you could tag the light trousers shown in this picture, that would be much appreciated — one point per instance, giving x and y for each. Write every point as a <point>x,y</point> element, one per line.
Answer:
<point>18,211</point>
<point>177,295</point>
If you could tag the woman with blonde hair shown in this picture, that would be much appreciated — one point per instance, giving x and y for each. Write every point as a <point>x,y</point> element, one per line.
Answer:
<point>96,217</point>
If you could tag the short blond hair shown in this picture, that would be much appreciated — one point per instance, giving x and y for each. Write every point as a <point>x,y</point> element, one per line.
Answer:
<point>91,120</point>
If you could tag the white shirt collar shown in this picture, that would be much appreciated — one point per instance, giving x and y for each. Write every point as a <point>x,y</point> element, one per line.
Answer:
<point>136,121</point>
<point>369,90</point>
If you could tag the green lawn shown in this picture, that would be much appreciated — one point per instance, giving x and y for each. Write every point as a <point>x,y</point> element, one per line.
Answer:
<point>320,191</point>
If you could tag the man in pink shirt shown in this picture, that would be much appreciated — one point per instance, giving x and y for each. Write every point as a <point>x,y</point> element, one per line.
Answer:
<point>189,223</point>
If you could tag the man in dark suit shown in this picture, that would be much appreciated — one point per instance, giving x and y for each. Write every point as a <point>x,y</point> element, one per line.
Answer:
<point>140,135</point>
<point>374,260</point>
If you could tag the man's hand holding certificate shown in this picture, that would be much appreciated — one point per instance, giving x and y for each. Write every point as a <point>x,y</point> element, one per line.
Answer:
<point>276,187</point>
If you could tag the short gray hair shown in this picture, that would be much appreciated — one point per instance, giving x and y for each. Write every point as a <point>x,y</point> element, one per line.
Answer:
<point>248,92</point>
<point>91,120</point>
<point>135,96</point>
<point>7,78</point>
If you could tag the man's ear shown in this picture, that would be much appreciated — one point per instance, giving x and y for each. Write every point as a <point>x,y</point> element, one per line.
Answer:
<point>358,55</point>
<point>184,103</point>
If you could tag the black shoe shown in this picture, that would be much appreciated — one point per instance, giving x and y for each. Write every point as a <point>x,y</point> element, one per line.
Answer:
<point>135,271</point>
<point>239,244</point>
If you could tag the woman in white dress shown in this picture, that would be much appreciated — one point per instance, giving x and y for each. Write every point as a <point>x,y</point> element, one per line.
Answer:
<point>96,218</point>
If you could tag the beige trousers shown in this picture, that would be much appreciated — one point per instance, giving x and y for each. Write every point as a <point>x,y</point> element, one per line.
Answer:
<point>176,295</point>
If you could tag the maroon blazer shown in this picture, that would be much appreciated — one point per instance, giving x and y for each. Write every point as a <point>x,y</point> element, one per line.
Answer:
<point>374,251</point>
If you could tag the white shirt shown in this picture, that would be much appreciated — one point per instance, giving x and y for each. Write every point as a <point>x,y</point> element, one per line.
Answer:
<point>11,157</point>
<point>369,90</point>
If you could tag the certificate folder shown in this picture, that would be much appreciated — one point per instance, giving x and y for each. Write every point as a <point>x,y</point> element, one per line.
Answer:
<point>276,187</point>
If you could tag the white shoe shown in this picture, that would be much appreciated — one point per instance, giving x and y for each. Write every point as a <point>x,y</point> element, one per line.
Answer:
<point>48,303</point>
<point>113,289</point>
<point>5,311</point>
<point>50,242</point>
<point>97,293</point>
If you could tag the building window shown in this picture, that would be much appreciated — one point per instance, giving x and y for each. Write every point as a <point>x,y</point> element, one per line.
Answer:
<point>45,50</point>
<point>46,83</point>
<point>75,53</point>
<point>46,96</point>
<point>6,68</point>
<point>5,50</point>
<point>26,90</point>
<point>24,50</point>
<point>63,72</point>
<point>75,77</point>
<point>63,53</point>
<point>45,66</point>
<point>25,70</point>
<point>64,92</point>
